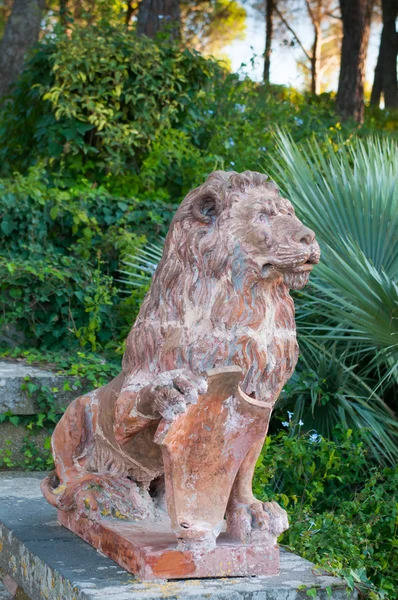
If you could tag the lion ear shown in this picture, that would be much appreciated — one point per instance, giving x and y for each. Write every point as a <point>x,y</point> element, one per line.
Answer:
<point>206,209</point>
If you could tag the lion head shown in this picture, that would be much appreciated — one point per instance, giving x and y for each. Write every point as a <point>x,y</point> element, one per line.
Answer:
<point>252,224</point>
<point>234,249</point>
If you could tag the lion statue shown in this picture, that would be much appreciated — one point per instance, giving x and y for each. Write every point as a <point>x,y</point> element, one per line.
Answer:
<point>219,297</point>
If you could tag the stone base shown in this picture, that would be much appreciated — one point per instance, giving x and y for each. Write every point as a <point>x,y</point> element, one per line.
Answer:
<point>51,563</point>
<point>149,551</point>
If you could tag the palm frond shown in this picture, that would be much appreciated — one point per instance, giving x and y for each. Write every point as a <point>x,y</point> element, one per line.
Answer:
<point>351,194</point>
<point>141,266</point>
<point>325,391</point>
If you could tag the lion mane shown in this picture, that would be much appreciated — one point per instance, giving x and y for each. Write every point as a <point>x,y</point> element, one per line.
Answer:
<point>202,309</point>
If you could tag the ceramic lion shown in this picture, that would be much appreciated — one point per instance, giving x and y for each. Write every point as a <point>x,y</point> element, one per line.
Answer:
<point>219,298</point>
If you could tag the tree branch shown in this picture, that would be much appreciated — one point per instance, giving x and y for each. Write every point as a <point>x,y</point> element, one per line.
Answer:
<point>328,14</point>
<point>282,18</point>
<point>330,38</point>
<point>130,12</point>
<point>332,60</point>
<point>310,12</point>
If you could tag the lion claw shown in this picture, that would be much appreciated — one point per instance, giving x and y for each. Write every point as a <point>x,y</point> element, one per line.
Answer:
<point>278,519</point>
<point>251,523</point>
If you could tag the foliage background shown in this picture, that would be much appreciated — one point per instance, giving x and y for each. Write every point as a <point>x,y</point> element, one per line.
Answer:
<point>104,135</point>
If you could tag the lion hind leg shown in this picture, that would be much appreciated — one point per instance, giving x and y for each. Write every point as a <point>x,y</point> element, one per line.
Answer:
<point>70,440</point>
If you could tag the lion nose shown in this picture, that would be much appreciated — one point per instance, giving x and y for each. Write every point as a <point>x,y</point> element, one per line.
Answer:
<point>304,235</point>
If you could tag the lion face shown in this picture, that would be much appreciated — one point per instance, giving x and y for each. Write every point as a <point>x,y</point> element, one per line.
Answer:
<point>275,241</point>
<point>239,221</point>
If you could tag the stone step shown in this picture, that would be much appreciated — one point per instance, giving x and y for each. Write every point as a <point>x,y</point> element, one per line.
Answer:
<point>48,561</point>
<point>19,402</point>
<point>15,400</point>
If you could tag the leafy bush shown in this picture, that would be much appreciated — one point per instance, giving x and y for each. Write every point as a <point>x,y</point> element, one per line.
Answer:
<point>97,103</point>
<point>118,129</point>
<point>137,116</point>
<point>60,251</point>
<point>343,511</point>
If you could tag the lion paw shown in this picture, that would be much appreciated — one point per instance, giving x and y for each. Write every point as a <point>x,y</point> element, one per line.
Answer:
<point>256,521</point>
<point>174,391</point>
<point>278,519</point>
<point>94,496</point>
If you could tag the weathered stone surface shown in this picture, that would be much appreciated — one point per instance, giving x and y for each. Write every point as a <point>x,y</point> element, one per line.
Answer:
<point>48,561</point>
<point>4,593</point>
<point>15,400</point>
<point>10,584</point>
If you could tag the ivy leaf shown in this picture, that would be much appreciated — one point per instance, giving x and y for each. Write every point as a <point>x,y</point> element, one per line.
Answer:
<point>7,225</point>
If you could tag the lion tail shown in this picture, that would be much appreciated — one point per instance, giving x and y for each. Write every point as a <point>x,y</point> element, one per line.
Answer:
<point>48,487</point>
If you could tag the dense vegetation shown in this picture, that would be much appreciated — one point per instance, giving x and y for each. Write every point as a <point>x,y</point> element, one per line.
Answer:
<point>343,511</point>
<point>104,135</point>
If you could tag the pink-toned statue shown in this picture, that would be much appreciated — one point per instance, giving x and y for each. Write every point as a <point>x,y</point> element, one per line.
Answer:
<point>149,466</point>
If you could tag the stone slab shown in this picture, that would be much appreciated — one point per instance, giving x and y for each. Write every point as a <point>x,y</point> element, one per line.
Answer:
<point>15,400</point>
<point>48,561</point>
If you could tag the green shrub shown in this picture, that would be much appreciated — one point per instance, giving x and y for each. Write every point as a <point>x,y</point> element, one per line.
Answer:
<point>343,511</point>
<point>96,104</point>
<point>60,252</point>
<point>137,116</point>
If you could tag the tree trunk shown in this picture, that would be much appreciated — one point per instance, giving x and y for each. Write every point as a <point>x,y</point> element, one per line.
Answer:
<point>269,32</point>
<point>156,16</point>
<point>356,16</point>
<point>316,62</point>
<point>385,79</point>
<point>21,33</point>
<point>377,87</point>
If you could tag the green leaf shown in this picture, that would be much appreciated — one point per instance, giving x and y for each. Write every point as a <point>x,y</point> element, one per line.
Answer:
<point>7,224</point>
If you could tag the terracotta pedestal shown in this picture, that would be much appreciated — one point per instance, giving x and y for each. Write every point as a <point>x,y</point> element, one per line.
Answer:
<point>150,550</point>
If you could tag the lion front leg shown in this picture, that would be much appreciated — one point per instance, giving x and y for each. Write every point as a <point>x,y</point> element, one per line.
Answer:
<point>169,394</point>
<point>249,519</point>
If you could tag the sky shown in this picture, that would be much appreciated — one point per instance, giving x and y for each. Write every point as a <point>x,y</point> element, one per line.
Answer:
<point>283,59</point>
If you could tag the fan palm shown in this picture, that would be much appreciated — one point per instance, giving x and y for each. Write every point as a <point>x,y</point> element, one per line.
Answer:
<point>350,198</point>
